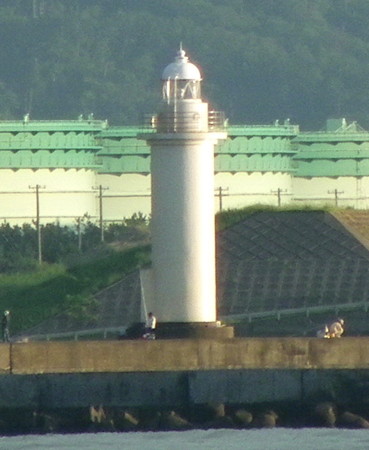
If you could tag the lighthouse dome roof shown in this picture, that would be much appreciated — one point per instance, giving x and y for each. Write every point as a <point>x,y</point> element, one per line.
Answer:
<point>181,69</point>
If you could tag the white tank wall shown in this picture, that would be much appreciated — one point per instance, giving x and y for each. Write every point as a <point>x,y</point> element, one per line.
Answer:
<point>244,189</point>
<point>131,193</point>
<point>56,199</point>
<point>125,195</point>
<point>352,191</point>
<point>183,237</point>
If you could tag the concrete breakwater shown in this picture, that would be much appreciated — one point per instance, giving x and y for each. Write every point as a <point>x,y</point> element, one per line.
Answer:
<point>177,373</point>
<point>168,355</point>
<point>183,383</point>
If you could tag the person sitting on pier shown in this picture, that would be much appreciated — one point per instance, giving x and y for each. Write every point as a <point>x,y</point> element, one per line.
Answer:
<point>336,328</point>
<point>150,326</point>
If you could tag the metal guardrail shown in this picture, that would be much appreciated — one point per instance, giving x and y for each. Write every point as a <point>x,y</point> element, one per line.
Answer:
<point>323,136</point>
<point>75,335</point>
<point>44,125</point>
<point>293,128</point>
<point>296,311</point>
<point>249,317</point>
<point>216,120</point>
<point>179,122</point>
<point>339,132</point>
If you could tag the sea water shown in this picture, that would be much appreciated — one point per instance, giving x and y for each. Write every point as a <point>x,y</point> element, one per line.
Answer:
<point>271,439</point>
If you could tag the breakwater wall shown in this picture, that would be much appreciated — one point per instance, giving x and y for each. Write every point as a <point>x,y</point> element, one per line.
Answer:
<point>181,372</point>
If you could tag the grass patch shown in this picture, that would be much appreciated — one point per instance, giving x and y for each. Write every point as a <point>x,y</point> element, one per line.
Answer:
<point>230,217</point>
<point>33,297</point>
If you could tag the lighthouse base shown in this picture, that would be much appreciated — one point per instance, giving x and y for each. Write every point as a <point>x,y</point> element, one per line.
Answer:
<point>199,330</point>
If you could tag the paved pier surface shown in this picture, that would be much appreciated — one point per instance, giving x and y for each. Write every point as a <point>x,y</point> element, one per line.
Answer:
<point>184,354</point>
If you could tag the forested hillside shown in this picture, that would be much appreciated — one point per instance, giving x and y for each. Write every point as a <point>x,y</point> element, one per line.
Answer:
<point>262,60</point>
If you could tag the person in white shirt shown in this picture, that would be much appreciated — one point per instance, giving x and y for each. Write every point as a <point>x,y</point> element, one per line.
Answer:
<point>150,326</point>
<point>336,328</point>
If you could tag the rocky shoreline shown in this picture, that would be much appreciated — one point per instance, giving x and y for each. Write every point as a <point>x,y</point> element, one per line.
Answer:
<point>95,419</point>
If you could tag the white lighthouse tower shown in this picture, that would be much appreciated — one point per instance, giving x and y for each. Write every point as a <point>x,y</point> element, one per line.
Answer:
<point>182,172</point>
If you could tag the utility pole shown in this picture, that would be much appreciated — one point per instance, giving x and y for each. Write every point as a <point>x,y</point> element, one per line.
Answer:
<point>79,232</point>
<point>38,8</point>
<point>220,195</point>
<point>35,9</point>
<point>80,222</point>
<point>38,225</point>
<point>101,219</point>
<point>279,192</point>
<point>336,192</point>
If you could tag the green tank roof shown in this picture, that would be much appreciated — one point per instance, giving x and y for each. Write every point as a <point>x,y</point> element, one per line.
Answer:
<point>50,144</point>
<point>263,130</point>
<point>16,126</point>
<point>340,150</point>
<point>247,149</point>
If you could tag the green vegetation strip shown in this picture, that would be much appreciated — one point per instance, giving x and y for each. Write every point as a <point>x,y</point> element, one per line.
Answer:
<point>33,297</point>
